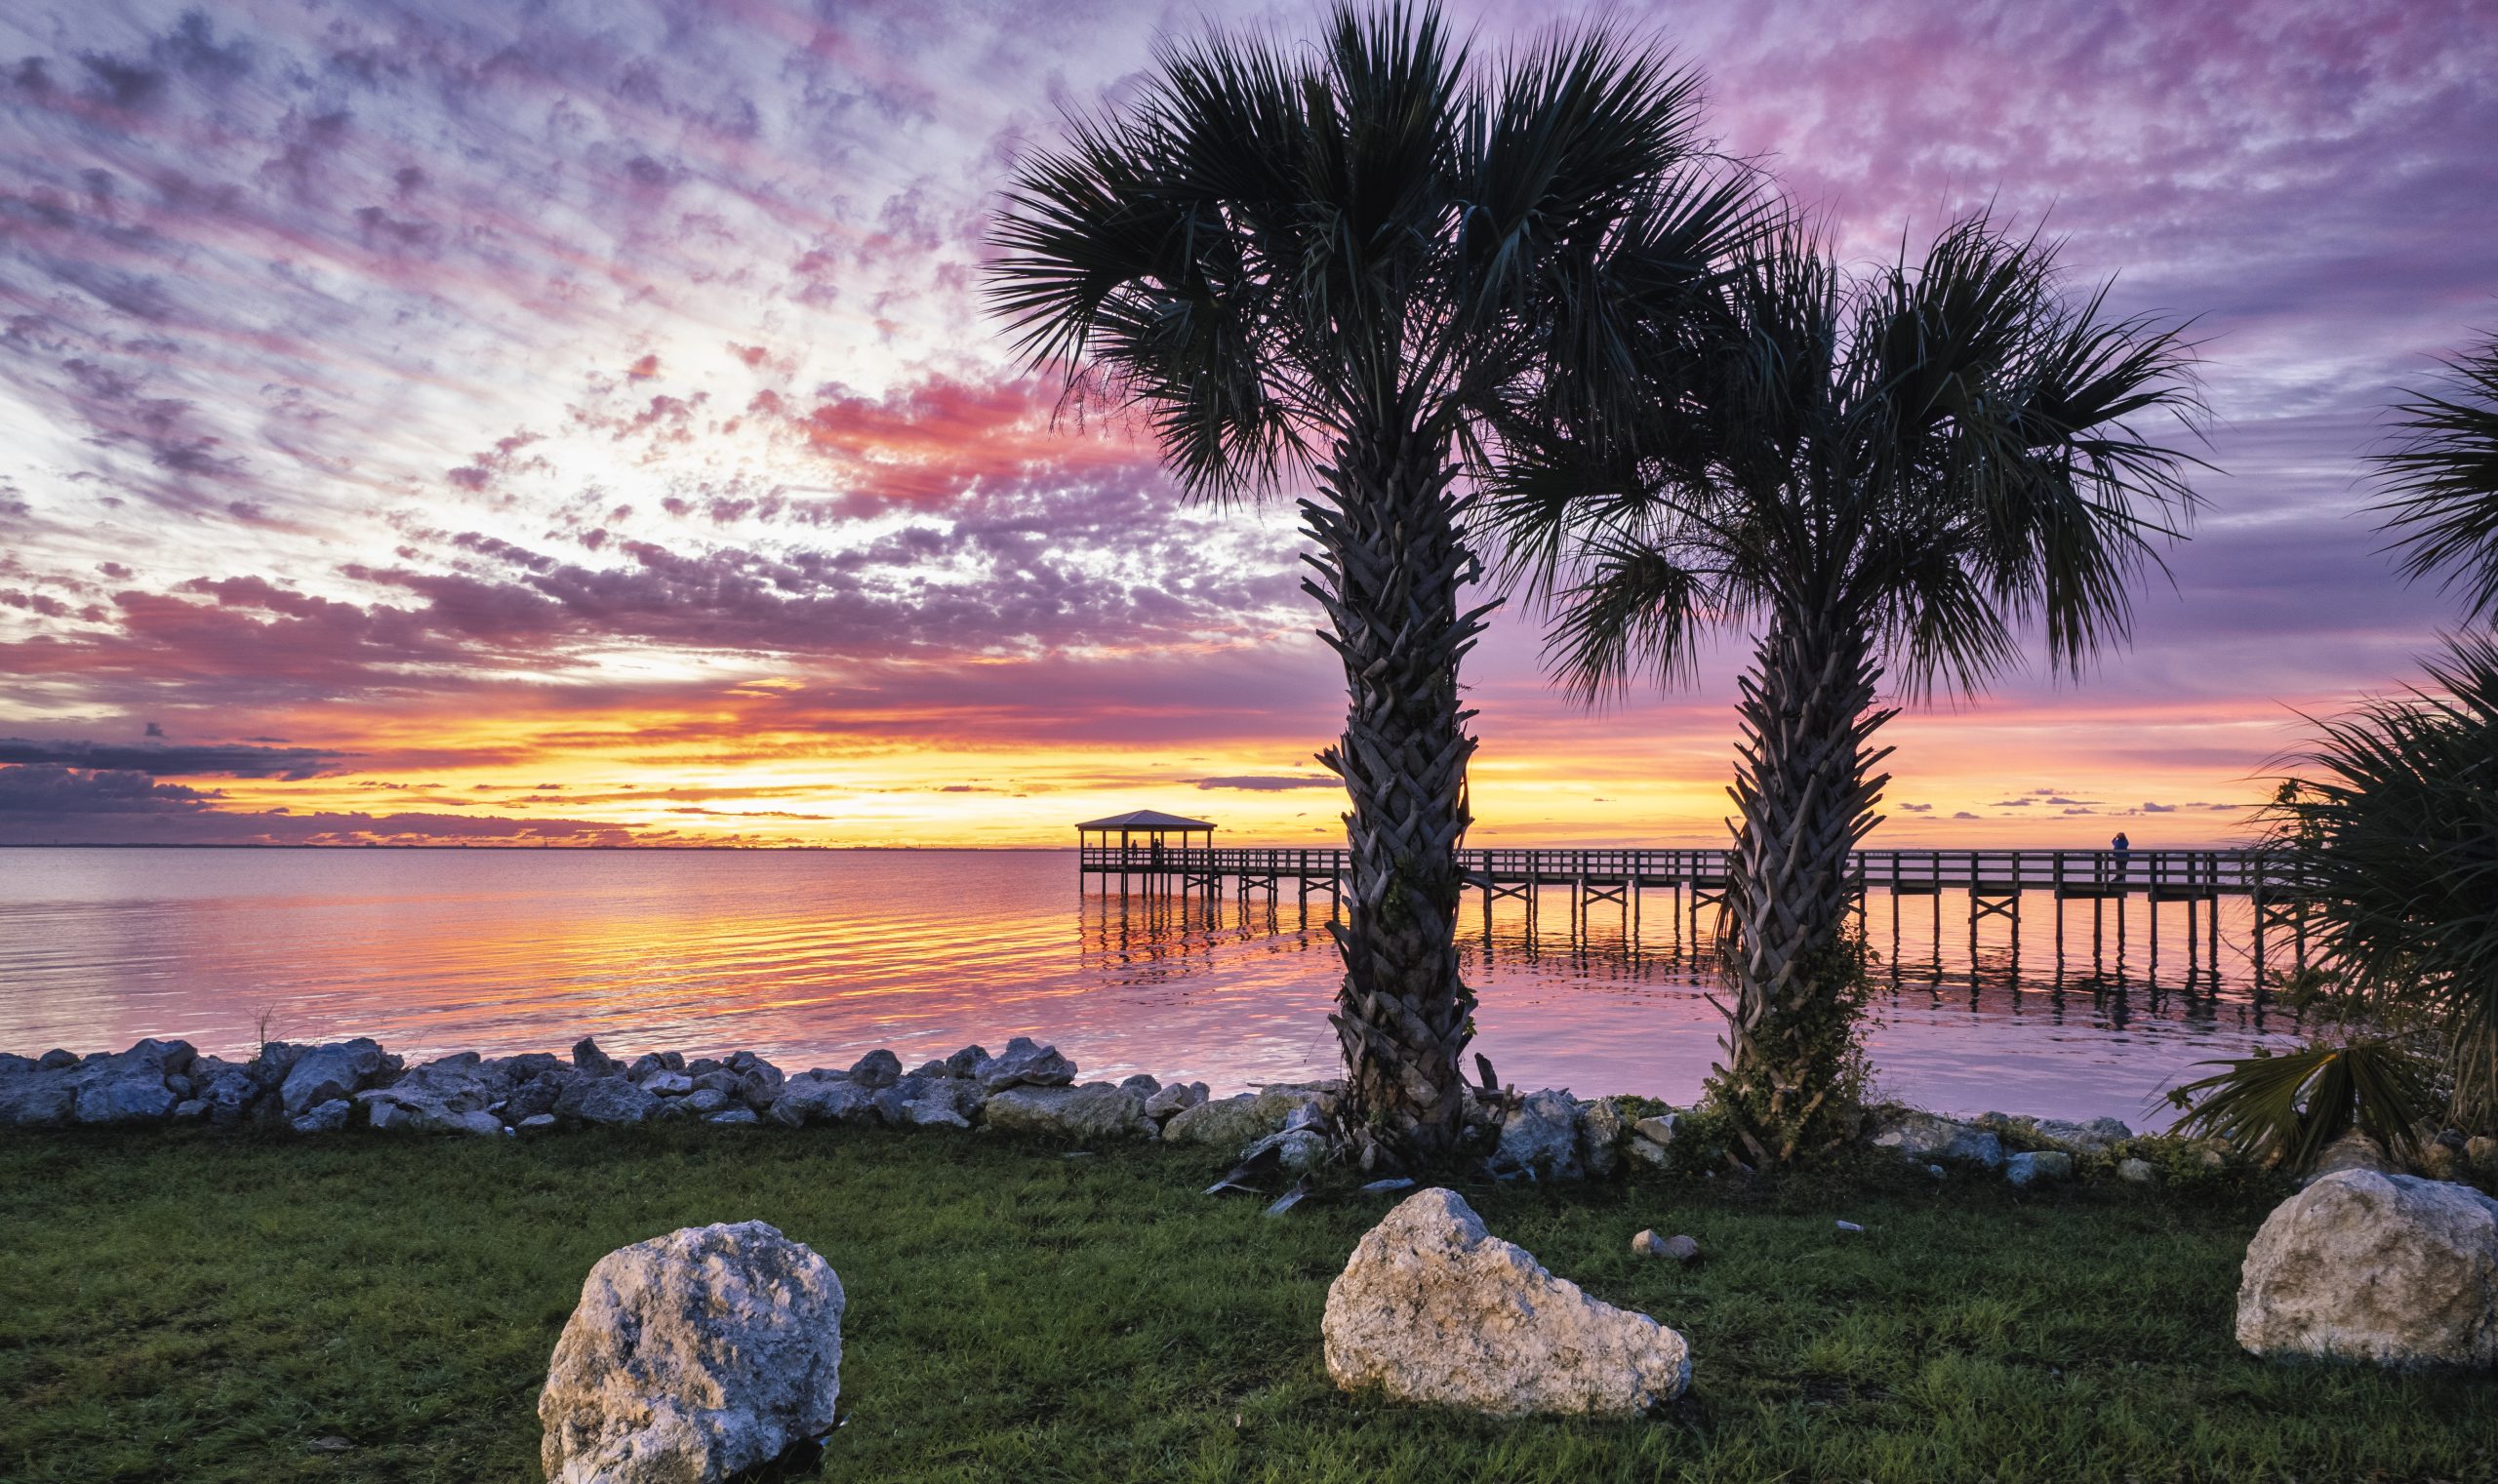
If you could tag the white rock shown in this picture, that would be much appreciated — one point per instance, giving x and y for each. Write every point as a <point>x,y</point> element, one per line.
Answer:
<point>1923,1136</point>
<point>2353,1151</point>
<point>1601,1127</point>
<point>1433,1308</point>
<point>2037,1169</point>
<point>693,1356</point>
<point>2387,1269</point>
<point>1178,1098</point>
<point>1226,1123</point>
<point>1096,1110</point>
<point>1298,1151</point>
<point>1539,1137</point>
<point>2137,1172</point>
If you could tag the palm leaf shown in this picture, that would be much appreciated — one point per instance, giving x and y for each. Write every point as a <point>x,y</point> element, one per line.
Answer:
<point>2292,1105</point>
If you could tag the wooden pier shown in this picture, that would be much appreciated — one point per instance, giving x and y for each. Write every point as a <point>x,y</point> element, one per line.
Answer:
<point>1994,886</point>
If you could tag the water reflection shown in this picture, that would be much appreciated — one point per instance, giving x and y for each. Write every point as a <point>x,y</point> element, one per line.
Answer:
<point>814,957</point>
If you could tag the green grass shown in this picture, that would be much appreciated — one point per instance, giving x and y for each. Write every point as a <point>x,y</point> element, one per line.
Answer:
<point>202,1308</point>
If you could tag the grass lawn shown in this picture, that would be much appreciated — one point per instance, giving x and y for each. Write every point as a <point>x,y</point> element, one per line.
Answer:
<point>189,1306</point>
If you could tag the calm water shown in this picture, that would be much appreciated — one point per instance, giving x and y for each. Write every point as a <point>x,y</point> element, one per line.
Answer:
<point>813,958</point>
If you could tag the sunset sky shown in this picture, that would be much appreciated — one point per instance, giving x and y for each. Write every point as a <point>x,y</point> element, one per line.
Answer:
<point>578,422</point>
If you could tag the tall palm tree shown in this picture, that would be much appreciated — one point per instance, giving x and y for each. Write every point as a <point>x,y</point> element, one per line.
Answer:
<point>2442,481</point>
<point>1892,471</point>
<point>1321,269</point>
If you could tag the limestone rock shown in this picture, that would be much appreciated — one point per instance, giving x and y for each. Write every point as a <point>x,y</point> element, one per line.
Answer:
<point>612,1101</point>
<point>1297,1151</point>
<point>1224,1123</point>
<point>1433,1308</point>
<point>587,1057</point>
<point>2092,1137</point>
<point>878,1068</point>
<point>966,1061</point>
<point>329,1072</point>
<point>2443,1157</point>
<point>1601,1128</point>
<point>693,1356</point>
<point>132,1086</point>
<point>1659,1129</point>
<point>39,1097</point>
<point>323,1117</point>
<point>735,1115</point>
<point>1143,1084</point>
<point>1024,1064</point>
<point>2386,1268</point>
<point>1096,1112</point>
<point>2040,1168</point>
<point>1178,1098</point>
<point>2353,1151</point>
<point>667,1084</point>
<point>2137,1172</point>
<point>1676,1249</point>
<point>1649,1153</point>
<point>819,1097</point>
<point>452,1094</point>
<point>1540,1137</point>
<point>1925,1137</point>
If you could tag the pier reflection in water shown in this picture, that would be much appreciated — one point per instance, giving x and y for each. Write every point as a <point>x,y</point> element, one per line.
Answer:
<point>814,957</point>
<point>1596,1000</point>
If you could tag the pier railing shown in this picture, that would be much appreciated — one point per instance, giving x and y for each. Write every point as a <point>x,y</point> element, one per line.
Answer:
<point>1691,884</point>
<point>2169,875</point>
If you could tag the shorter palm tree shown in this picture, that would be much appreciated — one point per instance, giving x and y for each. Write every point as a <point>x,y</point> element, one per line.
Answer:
<point>1889,473</point>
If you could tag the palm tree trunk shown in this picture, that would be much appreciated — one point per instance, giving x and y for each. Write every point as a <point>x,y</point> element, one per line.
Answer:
<point>1806,790</point>
<point>1391,560</point>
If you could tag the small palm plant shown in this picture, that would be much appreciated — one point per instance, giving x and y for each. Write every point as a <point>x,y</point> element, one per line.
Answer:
<point>2390,831</point>
<point>1887,472</point>
<point>1325,269</point>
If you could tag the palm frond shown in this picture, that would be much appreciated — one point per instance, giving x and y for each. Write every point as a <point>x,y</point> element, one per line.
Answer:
<point>2391,829</point>
<point>2292,1105</point>
<point>2442,481</point>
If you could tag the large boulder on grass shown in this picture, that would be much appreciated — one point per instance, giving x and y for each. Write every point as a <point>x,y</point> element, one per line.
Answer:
<point>692,1357</point>
<point>1433,1308</point>
<point>2385,1269</point>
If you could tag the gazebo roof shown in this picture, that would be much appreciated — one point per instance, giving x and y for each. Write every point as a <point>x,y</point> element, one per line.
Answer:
<point>1144,818</point>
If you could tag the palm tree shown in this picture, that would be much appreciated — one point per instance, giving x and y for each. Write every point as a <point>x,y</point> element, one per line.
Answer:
<point>2442,481</point>
<point>1890,471</point>
<point>1323,268</point>
<point>2391,829</point>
